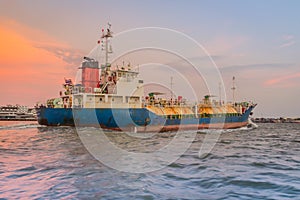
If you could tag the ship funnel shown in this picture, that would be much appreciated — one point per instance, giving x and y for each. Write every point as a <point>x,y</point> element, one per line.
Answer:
<point>88,59</point>
<point>90,73</point>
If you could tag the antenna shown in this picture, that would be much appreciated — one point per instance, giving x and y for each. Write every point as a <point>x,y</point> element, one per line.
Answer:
<point>220,97</point>
<point>171,84</point>
<point>233,89</point>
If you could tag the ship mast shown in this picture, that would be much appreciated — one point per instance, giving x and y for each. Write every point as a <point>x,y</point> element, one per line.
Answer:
<point>106,35</point>
<point>220,93</point>
<point>171,84</point>
<point>233,89</point>
<point>105,68</point>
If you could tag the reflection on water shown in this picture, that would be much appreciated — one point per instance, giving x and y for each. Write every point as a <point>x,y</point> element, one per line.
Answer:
<point>140,144</point>
<point>52,163</point>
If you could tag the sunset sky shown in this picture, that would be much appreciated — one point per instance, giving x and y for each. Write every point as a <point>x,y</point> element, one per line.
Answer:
<point>42,42</point>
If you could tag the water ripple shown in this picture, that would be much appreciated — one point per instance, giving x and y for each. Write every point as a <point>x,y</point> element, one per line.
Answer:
<point>38,162</point>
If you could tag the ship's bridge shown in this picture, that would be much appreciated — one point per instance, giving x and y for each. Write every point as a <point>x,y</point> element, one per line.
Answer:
<point>126,75</point>
<point>128,82</point>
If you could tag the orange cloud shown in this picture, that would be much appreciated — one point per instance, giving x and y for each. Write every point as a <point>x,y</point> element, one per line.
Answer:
<point>28,74</point>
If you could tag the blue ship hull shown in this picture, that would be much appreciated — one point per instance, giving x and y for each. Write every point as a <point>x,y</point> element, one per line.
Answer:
<point>135,119</point>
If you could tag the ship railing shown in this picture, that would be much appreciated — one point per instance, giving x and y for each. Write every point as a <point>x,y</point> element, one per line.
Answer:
<point>165,103</point>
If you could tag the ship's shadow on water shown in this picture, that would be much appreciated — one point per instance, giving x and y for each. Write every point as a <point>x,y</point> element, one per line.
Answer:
<point>52,163</point>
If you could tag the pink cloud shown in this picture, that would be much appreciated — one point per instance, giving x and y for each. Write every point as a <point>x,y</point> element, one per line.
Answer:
<point>223,44</point>
<point>287,44</point>
<point>285,81</point>
<point>288,40</point>
<point>288,37</point>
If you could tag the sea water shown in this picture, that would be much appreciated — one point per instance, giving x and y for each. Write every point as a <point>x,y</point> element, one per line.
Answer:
<point>38,162</point>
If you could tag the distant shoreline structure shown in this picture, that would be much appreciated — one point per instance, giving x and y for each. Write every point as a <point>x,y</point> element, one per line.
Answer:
<point>17,113</point>
<point>17,119</point>
<point>276,120</point>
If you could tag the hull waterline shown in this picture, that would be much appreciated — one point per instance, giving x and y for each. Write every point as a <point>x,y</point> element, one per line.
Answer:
<point>135,120</point>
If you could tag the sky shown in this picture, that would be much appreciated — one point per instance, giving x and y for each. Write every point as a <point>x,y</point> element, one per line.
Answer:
<point>257,42</point>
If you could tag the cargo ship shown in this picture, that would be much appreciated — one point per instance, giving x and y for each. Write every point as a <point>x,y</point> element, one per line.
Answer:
<point>112,97</point>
